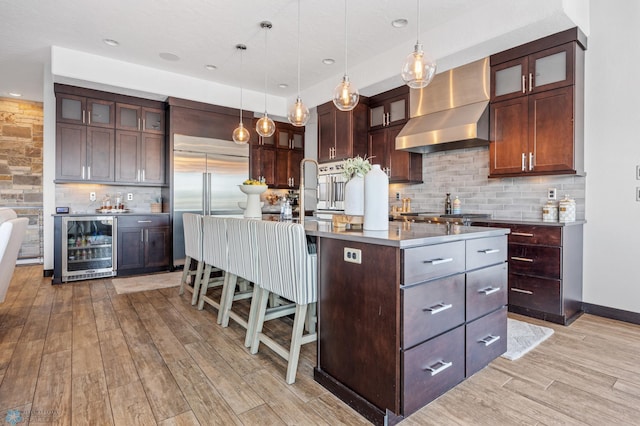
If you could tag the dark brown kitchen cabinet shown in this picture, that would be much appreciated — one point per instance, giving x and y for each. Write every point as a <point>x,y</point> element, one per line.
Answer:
<point>537,107</point>
<point>73,109</point>
<point>139,118</point>
<point>144,244</point>
<point>84,153</point>
<point>545,270</point>
<point>401,166</point>
<point>342,134</point>
<point>389,108</point>
<point>276,158</point>
<point>413,339</point>
<point>140,158</point>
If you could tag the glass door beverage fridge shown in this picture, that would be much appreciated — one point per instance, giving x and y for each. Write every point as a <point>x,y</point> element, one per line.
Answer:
<point>88,247</point>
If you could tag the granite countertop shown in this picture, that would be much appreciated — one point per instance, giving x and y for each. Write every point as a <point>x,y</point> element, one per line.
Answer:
<point>529,222</point>
<point>108,214</point>
<point>403,234</point>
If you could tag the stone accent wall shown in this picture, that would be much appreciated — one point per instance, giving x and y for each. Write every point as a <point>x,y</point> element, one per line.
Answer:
<point>21,139</point>
<point>464,173</point>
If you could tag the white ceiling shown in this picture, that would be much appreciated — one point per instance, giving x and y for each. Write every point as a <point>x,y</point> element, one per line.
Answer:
<point>204,32</point>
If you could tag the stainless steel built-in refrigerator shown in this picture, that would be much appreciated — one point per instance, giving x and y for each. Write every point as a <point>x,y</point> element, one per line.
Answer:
<point>206,175</point>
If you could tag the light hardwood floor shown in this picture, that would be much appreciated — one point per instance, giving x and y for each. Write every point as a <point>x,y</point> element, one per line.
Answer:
<point>82,354</point>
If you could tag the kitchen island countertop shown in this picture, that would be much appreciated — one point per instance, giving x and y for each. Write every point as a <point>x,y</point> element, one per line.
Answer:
<point>403,234</point>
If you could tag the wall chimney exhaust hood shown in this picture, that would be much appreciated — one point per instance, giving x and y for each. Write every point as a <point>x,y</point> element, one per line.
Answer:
<point>450,113</point>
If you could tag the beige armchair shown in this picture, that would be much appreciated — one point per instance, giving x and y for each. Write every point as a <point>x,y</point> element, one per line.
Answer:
<point>12,230</point>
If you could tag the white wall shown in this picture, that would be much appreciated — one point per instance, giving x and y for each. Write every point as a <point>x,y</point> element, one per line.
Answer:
<point>612,153</point>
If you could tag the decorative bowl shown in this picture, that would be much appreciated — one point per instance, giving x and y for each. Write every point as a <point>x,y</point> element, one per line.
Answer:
<point>253,189</point>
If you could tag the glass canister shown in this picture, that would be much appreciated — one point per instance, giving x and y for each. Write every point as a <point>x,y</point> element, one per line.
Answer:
<point>567,210</point>
<point>550,212</point>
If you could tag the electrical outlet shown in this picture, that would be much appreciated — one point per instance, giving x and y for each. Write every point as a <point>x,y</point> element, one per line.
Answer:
<point>397,195</point>
<point>352,255</point>
<point>92,196</point>
<point>637,193</point>
<point>552,194</point>
<point>129,197</point>
<point>638,172</point>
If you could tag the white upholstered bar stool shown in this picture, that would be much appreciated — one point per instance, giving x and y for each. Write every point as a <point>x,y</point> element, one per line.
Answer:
<point>12,231</point>
<point>287,269</point>
<point>215,258</point>
<point>242,263</point>
<point>193,250</point>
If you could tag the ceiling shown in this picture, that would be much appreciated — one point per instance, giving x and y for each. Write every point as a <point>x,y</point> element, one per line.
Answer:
<point>202,32</point>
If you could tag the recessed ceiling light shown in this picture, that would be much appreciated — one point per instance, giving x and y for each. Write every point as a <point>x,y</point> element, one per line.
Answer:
<point>328,61</point>
<point>283,85</point>
<point>211,67</point>
<point>110,42</point>
<point>399,23</point>
<point>169,56</point>
<point>15,94</point>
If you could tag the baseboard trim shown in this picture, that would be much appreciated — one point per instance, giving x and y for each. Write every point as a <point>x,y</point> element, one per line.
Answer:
<point>611,313</point>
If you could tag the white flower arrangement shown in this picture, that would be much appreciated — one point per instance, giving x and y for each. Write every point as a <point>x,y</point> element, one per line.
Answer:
<point>356,166</point>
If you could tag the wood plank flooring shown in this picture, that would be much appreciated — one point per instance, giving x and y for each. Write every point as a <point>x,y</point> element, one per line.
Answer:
<point>79,353</point>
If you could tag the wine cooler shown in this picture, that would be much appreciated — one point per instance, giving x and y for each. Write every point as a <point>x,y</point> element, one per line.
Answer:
<point>88,247</point>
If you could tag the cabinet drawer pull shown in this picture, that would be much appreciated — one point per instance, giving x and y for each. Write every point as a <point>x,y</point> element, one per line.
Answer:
<point>489,251</point>
<point>438,367</point>
<point>489,340</point>
<point>519,290</point>
<point>489,290</point>
<point>439,260</point>
<point>438,308</point>
<point>522,259</point>
<point>144,221</point>
<point>522,234</point>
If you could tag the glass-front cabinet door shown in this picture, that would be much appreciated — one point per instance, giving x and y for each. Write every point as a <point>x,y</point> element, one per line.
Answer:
<point>100,113</point>
<point>152,120</point>
<point>551,68</point>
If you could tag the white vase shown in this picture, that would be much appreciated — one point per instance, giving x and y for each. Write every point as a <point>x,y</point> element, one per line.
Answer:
<point>376,200</point>
<point>354,196</point>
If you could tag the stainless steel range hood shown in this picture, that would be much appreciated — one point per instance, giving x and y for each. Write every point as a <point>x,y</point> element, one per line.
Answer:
<point>450,113</point>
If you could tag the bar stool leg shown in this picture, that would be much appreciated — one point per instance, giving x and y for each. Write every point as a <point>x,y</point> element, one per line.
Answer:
<point>296,342</point>
<point>206,275</point>
<point>185,275</point>
<point>261,301</point>
<point>196,283</point>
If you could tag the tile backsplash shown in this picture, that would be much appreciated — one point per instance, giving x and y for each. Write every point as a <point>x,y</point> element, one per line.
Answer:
<point>76,196</point>
<point>463,173</point>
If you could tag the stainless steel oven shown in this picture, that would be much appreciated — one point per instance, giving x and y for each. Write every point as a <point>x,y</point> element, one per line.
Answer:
<point>331,184</point>
<point>88,247</point>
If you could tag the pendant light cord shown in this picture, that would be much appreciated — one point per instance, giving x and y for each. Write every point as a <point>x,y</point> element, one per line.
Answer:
<point>241,69</point>
<point>265,69</point>
<point>418,34</point>
<point>298,48</point>
<point>345,37</point>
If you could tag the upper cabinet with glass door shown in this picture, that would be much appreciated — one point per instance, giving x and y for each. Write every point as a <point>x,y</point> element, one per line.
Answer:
<point>138,118</point>
<point>545,70</point>
<point>74,109</point>
<point>389,108</point>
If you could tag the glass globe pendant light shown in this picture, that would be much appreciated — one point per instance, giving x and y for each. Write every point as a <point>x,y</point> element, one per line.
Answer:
<point>298,113</point>
<point>345,96</point>
<point>418,69</point>
<point>265,126</point>
<point>240,134</point>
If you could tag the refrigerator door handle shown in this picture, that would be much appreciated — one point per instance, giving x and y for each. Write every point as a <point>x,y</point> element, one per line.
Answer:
<point>208,209</point>
<point>204,193</point>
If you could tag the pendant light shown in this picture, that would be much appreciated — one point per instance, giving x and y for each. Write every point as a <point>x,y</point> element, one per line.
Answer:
<point>298,113</point>
<point>240,134</point>
<point>418,70</point>
<point>265,126</point>
<point>346,96</point>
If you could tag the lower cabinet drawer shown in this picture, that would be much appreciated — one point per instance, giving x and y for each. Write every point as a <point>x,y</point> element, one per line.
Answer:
<point>431,369</point>
<point>141,221</point>
<point>438,260</point>
<point>486,290</point>
<point>486,340</point>
<point>535,293</point>
<point>535,260</point>
<point>432,308</point>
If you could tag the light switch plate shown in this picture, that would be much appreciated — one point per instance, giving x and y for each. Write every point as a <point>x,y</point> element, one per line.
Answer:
<point>352,255</point>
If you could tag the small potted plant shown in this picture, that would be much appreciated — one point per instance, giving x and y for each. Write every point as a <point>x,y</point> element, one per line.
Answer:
<point>354,169</point>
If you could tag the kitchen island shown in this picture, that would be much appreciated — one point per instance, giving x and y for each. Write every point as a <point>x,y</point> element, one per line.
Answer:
<point>406,314</point>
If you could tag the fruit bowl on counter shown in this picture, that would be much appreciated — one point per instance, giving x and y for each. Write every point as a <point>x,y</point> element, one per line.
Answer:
<point>253,189</point>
